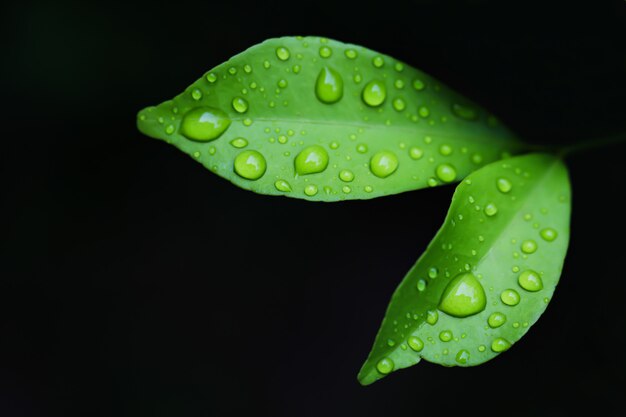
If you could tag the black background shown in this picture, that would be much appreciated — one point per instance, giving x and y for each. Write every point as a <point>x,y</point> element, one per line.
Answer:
<point>136,283</point>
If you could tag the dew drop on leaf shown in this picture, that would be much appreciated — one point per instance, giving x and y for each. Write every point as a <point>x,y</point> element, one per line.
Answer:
<point>464,112</point>
<point>239,143</point>
<point>548,234</point>
<point>329,86</point>
<point>240,104</point>
<point>464,296</point>
<point>374,93</point>
<point>250,165</point>
<point>415,343</point>
<point>462,356</point>
<point>496,320</point>
<point>529,246</point>
<point>282,185</point>
<point>504,185</point>
<point>383,164</point>
<point>500,345</point>
<point>510,297</point>
<point>530,281</point>
<point>311,160</point>
<point>282,53</point>
<point>385,366</point>
<point>446,172</point>
<point>204,124</point>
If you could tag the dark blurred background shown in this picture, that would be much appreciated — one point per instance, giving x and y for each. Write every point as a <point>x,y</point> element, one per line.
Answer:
<point>127,291</point>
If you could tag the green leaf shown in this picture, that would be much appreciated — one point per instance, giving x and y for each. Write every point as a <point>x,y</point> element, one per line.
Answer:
<point>488,274</point>
<point>322,120</point>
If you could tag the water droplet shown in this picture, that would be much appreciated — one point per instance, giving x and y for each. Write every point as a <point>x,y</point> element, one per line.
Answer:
<point>204,124</point>
<point>329,86</point>
<point>385,366</point>
<point>464,296</point>
<point>357,78</point>
<point>282,83</point>
<point>378,61</point>
<point>383,164</point>
<point>399,84</point>
<point>446,172</point>
<point>350,53</point>
<point>361,148</point>
<point>250,165</point>
<point>266,64</point>
<point>477,158</point>
<point>282,53</point>
<point>282,185</point>
<point>504,185</point>
<point>423,111</point>
<point>247,121</point>
<point>432,182</point>
<point>529,246</point>
<point>445,336</point>
<point>310,190</point>
<point>418,85</point>
<point>346,175</point>
<point>416,153</point>
<point>232,70</point>
<point>368,189</point>
<point>311,160</point>
<point>374,93</point>
<point>169,129</point>
<point>239,143</point>
<point>399,104</point>
<point>491,209</point>
<point>211,77</point>
<point>433,272</point>
<point>391,342</point>
<point>296,69</point>
<point>465,112</point>
<point>496,320</point>
<point>196,94</point>
<point>247,68</point>
<point>415,343</point>
<point>548,234</point>
<point>282,139</point>
<point>500,345</point>
<point>510,297</point>
<point>445,150</point>
<point>325,52</point>
<point>530,281</point>
<point>240,104</point>
<point>421,285</point>
<point>432,317</point>
<point>462,356</point>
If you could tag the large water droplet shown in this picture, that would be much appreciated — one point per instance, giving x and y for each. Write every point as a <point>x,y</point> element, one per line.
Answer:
<point>500,345</point>
<point>204,124</point>
<point>240,104</point>
<point>504,185</point>
<point>465,112</point>
<point>510,297</point>
<point>464,296</point>
<point>383,164</point>
<point>416,343</point>
<point>250,165</point>
<point>548,234</point>
<point>446,172</point>
<point>385,366</point>
<point>374,93</point>
<point>462,356</point>
<point>496,320</point>
<point>311,160</point>
<point>530,281</point>
<point>329,86</point>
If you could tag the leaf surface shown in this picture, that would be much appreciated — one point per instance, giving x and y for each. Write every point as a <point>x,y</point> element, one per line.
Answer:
<point>488,274</point>
<point>322,120</point>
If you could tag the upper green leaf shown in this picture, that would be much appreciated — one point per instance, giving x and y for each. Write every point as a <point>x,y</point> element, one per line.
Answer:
<point>318,119</point>
<point>488,274</point>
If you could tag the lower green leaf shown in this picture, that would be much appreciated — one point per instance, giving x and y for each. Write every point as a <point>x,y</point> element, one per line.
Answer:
<point>488,274</point>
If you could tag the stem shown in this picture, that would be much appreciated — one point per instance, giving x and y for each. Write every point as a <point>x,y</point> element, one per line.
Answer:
<point>593,144</point>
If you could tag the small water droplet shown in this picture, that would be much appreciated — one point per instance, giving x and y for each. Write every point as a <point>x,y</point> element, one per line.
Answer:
<point>416,153</point>
<point>399,104</point>
<point>548,234</point>
<point>415,343</point>
<point>391,342</point>
<point>361,148</point>
<point>504,185</point>
<point>465,112</point>
<point>311,160</point>
<point>240,104</point>
<point>266,64</point>
<point>496,320</point>
<point>530,281</point>
<point>374,93</point>
<point>211,77</point>
<point>350,53</point>
<point>432,317</point>
<point>491,209</point>
<point>239,143</point>
<point>446,172</point>
<point>433,272</point>
<point>477,158</point>
<point>346,175</point>
<point>204,124</point>
<point>385,366</point>
<point>247,68</point>
<point>329,86</point>
<point>378,61</point>
<point>196,94</point>
<point>445,150</point>
<point>445,336</point>
<point>462,356</point>
<point>282,53</point>
<point>282,139</point>
<point>296,69</point>
<point>282,185</point>
<point>325,52</point>
<point>383,164</point>
<point>432,182</point>
<point>500,345</point>
<point>169,129</point>
<point>282,83</point>
<point>421,285</point>
<point>529,246</point>
<point>250,165</point>
<point>510,297</point>
<point>464,296</point>
<point>368,189</point>
<point>310,190</point>
<point>423,111</point>
<point>418,85</point>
